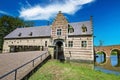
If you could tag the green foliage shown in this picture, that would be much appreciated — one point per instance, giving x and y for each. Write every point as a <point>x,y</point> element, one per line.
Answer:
<point>9,23</point>
<point>114,53</point>
<point>54,70</point>
<point>100,53</point>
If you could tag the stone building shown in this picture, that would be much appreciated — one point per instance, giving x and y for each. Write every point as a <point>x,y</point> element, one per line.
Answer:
<point>62,39</point>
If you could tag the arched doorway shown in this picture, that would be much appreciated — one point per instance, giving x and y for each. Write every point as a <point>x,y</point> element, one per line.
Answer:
<point>115,57</point>
<point>58,50</point>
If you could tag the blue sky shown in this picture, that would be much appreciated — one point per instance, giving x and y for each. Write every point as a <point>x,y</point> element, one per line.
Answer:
<point>106,14</point>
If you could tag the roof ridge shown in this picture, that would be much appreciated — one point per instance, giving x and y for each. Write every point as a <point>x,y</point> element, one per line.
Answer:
<point>79,22</point>
<point>32,27</point>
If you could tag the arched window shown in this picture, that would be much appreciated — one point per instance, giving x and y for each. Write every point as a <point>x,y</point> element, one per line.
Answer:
<point>70,29</point>
<point>84,28</point>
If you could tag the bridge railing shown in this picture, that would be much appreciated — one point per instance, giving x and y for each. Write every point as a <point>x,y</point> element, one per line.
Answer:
<point>45,54</point>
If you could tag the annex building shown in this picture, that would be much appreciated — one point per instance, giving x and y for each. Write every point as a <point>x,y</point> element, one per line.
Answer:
<point>62,39</point>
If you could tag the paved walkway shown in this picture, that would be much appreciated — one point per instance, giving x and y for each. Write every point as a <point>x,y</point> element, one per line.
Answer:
<point>11,61</point>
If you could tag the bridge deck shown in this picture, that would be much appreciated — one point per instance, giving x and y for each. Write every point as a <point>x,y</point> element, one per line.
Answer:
<point>11,61</point>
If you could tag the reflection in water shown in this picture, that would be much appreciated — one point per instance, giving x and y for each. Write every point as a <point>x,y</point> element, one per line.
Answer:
<point>107,71</point>
<point>111,64</point>
<point>100,58</point>
<point>114,60</point>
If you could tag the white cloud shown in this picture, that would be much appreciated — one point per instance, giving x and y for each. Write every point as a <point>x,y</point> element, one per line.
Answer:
<point>3,12</point>
<point>38,12</point>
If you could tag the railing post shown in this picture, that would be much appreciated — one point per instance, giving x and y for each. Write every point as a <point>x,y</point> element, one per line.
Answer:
<point>16,74</point>
<point>45,55</point>
<point>41,57</point>
<point>33,63</point>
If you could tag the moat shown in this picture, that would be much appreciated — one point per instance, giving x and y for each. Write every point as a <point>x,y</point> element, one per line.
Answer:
<point>108,64</point>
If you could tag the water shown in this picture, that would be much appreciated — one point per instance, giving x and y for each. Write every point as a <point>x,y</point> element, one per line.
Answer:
<point>100,58</point>
<point>106,70</point>
<point>108,65</point>
<point>114,60</point>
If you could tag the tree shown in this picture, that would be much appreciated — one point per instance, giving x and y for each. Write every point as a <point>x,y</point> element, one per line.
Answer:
<point>9,23</point>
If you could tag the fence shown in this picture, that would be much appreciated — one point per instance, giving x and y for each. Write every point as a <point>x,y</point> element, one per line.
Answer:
<point>42,57</point>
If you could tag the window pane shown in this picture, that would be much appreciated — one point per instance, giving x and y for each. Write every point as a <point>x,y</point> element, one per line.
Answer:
<point>70,44</point>
<point>58,31</point>
<point>45,43</point>
<point>84,44</point>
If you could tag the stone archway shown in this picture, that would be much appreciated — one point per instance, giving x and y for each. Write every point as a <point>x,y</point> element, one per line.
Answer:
<point>115,56</point>
<point>100,57</point>
<point>58,50</point>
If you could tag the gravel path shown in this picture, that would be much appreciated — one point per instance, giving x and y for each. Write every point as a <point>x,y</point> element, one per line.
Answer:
<point>11,61</point>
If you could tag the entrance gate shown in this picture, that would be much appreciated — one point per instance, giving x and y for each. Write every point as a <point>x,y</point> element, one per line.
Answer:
<point>58,50</point>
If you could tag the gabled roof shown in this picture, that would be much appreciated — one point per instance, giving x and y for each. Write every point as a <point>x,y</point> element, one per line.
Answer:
<point>45,31</point>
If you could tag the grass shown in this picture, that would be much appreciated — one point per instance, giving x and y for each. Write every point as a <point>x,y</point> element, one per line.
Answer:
<point>54,70</point>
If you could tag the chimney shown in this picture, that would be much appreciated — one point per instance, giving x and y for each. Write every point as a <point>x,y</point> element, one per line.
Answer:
<point>91,18</point>
<point>59,11</point>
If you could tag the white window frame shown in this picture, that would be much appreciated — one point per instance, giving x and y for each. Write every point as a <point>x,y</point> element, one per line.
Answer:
<point>70,43</point>
<point>84,44</point>
<point>59,33</point>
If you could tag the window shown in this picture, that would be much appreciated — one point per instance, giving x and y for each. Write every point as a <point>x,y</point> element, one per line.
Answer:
<point>66,45</point>
<point>84,44</point>
<point>30,34</point>
<point>84,28</point>
<point>19,34</point>
<point>70,43</point>
<point>45,43</point>
<point>58,32</point>
<point>70,29</point>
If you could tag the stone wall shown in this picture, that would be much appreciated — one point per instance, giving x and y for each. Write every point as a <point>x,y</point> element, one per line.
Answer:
<point>25,42</point>
<point>60,22</point>
<point>78,52</point>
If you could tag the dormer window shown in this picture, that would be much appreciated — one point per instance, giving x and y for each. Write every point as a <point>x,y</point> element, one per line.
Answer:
<point>84,28</point>
<point>30,34</point>
<point>70,29</point>
<point>59,32</point>
<point>19,34</point>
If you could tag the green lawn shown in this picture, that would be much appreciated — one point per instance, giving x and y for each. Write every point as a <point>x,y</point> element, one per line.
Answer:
<point>54,70</point>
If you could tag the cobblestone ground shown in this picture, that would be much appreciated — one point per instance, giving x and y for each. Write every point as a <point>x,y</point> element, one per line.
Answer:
<point>10,61</point>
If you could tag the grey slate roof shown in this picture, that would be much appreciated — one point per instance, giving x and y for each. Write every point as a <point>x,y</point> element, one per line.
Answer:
<point>78,28</point>
<point>44,31</point>
<point>36,32</point>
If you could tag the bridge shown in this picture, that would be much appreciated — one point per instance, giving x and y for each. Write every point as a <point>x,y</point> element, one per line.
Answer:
<point>108,49</point>
<point>15,66</point>
<point>107,52</point>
